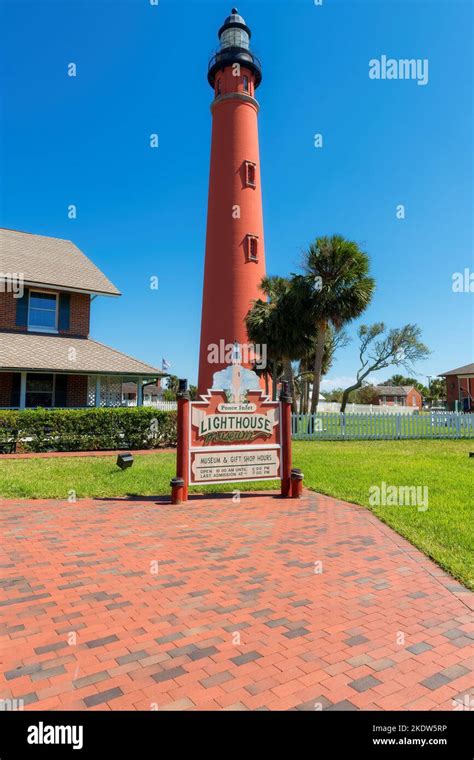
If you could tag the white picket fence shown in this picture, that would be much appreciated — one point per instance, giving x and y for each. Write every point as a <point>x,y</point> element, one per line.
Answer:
<point>335,406</point>
<point>164,406</point>
<point>358,426</point>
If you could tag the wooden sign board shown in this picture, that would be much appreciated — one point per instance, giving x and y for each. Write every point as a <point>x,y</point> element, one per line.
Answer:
<point>233,442</point>
<point>232,434</point>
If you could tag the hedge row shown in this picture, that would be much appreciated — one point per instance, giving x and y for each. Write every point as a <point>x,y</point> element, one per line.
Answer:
<point>41,430</point>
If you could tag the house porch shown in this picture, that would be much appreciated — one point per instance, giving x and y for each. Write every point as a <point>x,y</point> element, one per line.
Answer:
<point>27,390</point>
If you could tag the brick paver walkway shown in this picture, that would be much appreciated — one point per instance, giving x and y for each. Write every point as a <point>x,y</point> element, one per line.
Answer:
<point>238,615</point>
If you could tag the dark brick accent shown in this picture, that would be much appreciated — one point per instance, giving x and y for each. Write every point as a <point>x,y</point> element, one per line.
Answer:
<point>22,670</point>
<point>242,659</point>
<point>23,599</point>
<point>296,632</point>
<point>198,654</point>
<point>29,699</point>
<point>167,675</point>
<point>103,696</point>
<point>419,648</point>
<point>345,706</point>
<point>101,642</point>
<point>356,640</point>
<point>362,684</point>
<point>435,681</point>
<point>169,638</point>
<point>455,671</point>
<point>50,673</point>
<point>51,647</point>
<point>277,623</point>
<point>132,657</point>
<point>453,633</point>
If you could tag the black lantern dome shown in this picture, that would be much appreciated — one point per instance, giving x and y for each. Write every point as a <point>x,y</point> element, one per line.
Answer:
<point>234,37</point>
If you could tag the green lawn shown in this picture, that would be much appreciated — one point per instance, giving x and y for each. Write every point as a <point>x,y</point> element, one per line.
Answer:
<point>345,469</point>
<point>445,531</point>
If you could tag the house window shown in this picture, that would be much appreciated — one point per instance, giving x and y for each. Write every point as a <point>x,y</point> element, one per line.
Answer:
<point>39,390</point>
<point>246,83</point>
<point>252,247</point>
<point>250,174</point>
<point>43,311</point>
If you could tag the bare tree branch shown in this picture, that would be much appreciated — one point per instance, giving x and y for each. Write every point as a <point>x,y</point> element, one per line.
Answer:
<point>378,349</point>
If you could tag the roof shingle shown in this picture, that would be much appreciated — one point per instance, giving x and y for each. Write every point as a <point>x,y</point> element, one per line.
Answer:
<point>54,353</point>
<point>392,390</point>
<point>468,369</point>
<point>50,261</point>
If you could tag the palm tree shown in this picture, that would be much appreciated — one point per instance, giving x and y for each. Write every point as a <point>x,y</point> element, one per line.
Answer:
<point>334,339</point>
<point>276,323</point>
<point>338,288</point>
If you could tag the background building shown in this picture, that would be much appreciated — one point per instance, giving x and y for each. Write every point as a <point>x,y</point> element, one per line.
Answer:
<point>398,395</point>
<point>46,356</point>
<point>460,388</point>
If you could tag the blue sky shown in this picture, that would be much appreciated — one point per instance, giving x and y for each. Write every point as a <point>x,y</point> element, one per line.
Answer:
<point>141,212</point>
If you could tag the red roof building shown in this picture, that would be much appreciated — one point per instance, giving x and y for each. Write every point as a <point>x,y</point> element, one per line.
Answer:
<point>460,388</point>
<point>398,395</point>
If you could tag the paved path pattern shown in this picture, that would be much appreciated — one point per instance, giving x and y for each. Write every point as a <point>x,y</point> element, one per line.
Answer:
<point>263,604</point>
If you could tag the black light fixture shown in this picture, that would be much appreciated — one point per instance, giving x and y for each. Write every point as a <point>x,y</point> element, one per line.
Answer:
<point>124,460</point>
<point>183,386</point>
<point>285,391</point>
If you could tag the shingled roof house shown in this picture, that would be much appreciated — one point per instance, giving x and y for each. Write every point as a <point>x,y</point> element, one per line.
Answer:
<point>398,395</point>
<point>460,388</point>
<point>46,356</point>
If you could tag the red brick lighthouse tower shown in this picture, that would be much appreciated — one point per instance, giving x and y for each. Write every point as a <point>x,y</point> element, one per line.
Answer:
<point>235,262</point>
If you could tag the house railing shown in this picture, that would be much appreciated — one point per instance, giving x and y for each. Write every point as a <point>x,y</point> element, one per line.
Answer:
<point>330,426</point>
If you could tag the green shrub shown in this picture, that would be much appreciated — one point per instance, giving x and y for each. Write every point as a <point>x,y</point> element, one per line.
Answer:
<point>42,430</point>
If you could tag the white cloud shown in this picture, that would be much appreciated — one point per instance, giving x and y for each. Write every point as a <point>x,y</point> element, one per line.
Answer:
<point>329,384</point>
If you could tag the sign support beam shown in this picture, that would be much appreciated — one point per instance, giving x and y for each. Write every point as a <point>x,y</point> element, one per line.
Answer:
<point>285,400</point>
<point>179,485</point>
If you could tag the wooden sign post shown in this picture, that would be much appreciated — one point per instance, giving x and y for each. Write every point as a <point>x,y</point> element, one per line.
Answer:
<point>226,437</point>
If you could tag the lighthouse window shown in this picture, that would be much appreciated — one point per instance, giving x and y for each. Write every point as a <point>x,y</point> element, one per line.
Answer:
<point>246,83</point>
<point>252,248</point>
<point>250,174</point>
<point>218,87</point>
